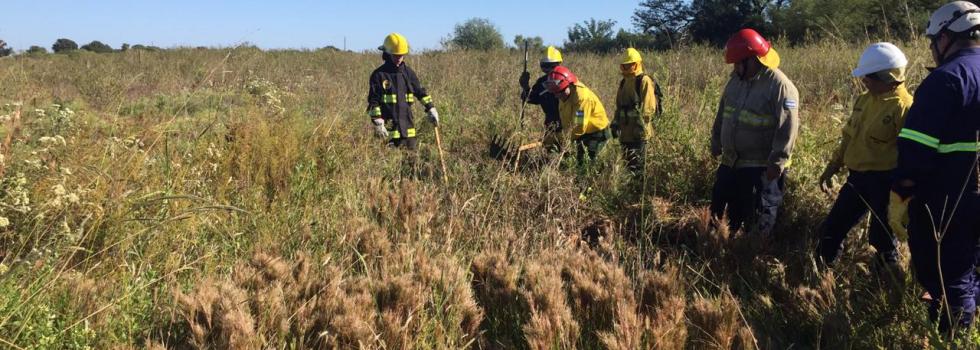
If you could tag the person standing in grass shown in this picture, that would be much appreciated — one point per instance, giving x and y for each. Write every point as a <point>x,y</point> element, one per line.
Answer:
<point>636,104</point>
<point>937,180</point>
<point>393,88</point>
<point>869,152</point>
<point>538,95</point>
<point>583,118</point>
<point>754,131</point>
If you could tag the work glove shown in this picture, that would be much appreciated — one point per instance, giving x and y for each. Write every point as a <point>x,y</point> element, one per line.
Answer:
<point>434,116</point>
<point>898,215</point>
<point>525,81</point>
<point>827,178</point>
<point>379,128</point>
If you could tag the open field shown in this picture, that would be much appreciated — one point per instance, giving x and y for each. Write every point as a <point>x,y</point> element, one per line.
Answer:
<point>237,199</point>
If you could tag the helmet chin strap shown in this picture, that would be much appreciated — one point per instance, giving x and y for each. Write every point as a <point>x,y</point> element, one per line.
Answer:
<point>745,69</point>
<point>942,52</point>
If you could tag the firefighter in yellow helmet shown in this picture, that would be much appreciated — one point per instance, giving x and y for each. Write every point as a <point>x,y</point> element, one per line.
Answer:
<point>393,89</point>
<point>538,95</point>
<point>636,103</point>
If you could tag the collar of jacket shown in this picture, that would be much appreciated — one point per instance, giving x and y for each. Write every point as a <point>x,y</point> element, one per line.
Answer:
<point>969,51</point>
<point>764,71</point>
<point>890,94</point>
<point>633,74</point>
<point>390,66</point>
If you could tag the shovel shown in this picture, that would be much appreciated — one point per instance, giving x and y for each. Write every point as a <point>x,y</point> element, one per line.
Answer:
<point>504,148</point>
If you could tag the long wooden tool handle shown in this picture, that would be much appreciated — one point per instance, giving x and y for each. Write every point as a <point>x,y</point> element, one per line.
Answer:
<point>442,157</point>
<point>524,100</point>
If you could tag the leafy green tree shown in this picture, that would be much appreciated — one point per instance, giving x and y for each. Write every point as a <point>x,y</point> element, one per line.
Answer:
<point>124,47</point>
<point>592,35</point>
<point>97,47</point>
<point>666,20</point>
<point>64,45</point>
<point>716,20</point>
<point>5,50</point>
<point>854,20</point>
<point>37,50</point>
<point>476,34</point>
<point>534,43</point>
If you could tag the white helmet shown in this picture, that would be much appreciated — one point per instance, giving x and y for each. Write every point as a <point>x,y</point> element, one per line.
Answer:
<point>880,57</point>
<point>957,17</point>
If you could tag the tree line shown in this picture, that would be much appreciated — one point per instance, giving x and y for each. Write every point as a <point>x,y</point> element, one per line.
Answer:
<point>665,24</point>
<point>67,45</point>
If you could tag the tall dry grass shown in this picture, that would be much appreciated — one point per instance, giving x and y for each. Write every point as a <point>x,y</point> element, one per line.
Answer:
<point>236,199</point>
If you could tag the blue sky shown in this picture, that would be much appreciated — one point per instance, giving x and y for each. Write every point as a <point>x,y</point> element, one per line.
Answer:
<point>288,23</point>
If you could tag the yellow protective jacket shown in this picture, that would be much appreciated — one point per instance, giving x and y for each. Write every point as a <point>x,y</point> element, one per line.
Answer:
<point>869,140</point>
<point>582,113</point>
<point>635,107</point>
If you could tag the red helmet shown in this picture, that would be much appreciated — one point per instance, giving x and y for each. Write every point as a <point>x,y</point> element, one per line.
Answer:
<point>559,79</point>
<point>747,43</point>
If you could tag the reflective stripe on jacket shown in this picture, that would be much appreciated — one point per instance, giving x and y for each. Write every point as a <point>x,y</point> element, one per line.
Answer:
<point>635,108</point>
<point>869,140</point>
<point>392,90</point>
<point>757,121</point>
<point>582,113</point>
<point>939,144</point>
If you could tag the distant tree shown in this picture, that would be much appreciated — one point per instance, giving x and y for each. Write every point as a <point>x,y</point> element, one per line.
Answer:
<point>853,20</point>
<point>64,45</point>
<point>124,47</point>
<point>37,50</point>
<point>145,48</point>
<point>592,35</point>
<point>97,47</point>
<point>476,34</point>
<point>330,48</point>
<point>534,43</point>
<point>5,50</point>
<point>716,20</point>
<point>666,20</point>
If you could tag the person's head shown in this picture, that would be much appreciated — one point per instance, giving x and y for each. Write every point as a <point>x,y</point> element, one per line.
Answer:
<point>953,27</point>
<point>394,49</point>
<point>881,67</point>
<point>552,58</point>
<point>632,63</point>
<point>561,81</point>
<point>749,52</point>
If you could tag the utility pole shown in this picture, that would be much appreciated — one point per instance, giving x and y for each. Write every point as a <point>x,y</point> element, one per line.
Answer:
<point>345,43</point>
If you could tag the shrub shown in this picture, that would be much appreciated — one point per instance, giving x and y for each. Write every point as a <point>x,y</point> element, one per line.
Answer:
<point>64,45</point>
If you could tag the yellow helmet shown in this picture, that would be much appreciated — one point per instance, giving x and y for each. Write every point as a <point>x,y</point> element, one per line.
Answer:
<point>631,56</point>
<point>395,44</point>
<point>551,55</point>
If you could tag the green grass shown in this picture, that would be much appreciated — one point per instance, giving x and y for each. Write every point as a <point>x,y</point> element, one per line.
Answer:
<point>201,184</point>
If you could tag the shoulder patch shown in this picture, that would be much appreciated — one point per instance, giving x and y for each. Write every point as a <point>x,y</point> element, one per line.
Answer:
<point>790,104</point>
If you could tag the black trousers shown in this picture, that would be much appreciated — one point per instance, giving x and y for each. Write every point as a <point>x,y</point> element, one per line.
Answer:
<point>865,191</point>
<point>749,199</point>
<point>409,143</point>
<point>589,145</point>
<point>635,155</point>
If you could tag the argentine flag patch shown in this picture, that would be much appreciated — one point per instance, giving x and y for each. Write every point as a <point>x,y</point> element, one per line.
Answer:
<point>790,104</point>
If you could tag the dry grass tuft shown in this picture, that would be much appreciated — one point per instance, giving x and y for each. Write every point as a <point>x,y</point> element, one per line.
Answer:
<point>714,322</point>
<point>662,303</point>
<point>551,324</point>
<point>218,316</point>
